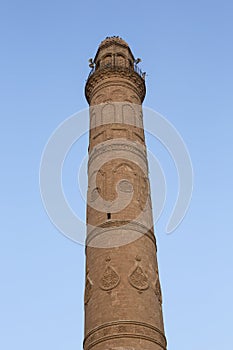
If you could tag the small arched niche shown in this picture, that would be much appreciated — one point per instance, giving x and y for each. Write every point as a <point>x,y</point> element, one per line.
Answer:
<point>108,114</point>
<point>129,115</point>
<point>106,61</point>
<point>121,60</point>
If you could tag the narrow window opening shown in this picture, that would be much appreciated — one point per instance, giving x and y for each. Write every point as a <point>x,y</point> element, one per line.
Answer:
<point>108,216</point>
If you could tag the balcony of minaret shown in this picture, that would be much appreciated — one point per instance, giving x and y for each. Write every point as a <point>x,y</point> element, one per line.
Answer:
<point>114,70</point>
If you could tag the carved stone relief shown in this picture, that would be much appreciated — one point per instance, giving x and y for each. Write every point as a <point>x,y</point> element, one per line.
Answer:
<point>110,278</point>
<point>88,289</point>
<point>158,292</point>
<point>138,278</point>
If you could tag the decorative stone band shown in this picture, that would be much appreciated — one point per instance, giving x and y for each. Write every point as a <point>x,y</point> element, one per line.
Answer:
<point>118,232</point>
<point>129,114</point>
<point>100,78</point>
<point>115,149</point>
<point>124,329</point>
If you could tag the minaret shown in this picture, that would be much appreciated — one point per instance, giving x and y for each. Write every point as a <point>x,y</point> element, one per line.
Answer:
<point>123,299</point>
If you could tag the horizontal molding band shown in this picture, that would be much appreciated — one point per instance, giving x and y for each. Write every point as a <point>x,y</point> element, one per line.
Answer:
<point>111,146</point>
<point>115,225</point>
<point>109,331</point>
<point>138,336</point>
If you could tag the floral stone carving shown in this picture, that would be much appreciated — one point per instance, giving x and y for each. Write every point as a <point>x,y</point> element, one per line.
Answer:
<point>138,279</point>
<point>110,279</point>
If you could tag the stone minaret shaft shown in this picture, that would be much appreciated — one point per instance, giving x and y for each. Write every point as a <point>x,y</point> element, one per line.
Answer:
<point>122,294</point>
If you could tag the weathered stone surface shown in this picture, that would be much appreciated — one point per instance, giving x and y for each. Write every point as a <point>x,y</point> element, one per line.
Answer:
<point>123,295</point>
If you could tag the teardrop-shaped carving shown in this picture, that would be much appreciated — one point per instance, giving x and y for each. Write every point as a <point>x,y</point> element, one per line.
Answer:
<point>88,290</point>
<point>158,292</point>
<point>110,279</point>
<point>138,279</point>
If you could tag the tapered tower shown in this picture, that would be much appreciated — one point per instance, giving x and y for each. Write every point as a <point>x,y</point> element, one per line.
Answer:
<point>122,294</point>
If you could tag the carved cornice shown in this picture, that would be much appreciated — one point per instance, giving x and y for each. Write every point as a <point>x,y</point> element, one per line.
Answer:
<point>124,329</point>
<point>101,77</point>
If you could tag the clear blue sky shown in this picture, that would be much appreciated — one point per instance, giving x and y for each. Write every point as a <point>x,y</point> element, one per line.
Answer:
<point>186,48</point>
